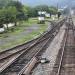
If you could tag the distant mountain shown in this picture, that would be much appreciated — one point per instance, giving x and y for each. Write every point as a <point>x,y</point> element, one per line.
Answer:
<point>61,3</point>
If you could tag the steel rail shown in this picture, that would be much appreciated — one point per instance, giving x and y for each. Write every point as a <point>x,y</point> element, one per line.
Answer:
<point>63,49</point>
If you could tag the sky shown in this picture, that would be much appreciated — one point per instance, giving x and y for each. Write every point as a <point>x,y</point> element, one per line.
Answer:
<point>38,2</point>
<point>61,3</point>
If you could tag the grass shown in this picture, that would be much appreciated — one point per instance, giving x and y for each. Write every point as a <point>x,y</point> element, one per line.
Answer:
<point>21,28</point>
<point>24,39</point>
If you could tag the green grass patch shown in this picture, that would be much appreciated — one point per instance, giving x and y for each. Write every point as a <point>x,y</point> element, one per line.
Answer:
<point>21,28</point>
<point>24,39</point>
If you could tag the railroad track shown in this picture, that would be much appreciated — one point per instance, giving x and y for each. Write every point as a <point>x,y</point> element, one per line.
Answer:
<point>65,62</point>
<point>7,55</point>
<point>14,50</point>
<point>9,52</point>
<point>17,66</point>
<point>26,56</point>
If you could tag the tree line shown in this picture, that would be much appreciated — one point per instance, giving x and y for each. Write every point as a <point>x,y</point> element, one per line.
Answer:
<point>14,11</point>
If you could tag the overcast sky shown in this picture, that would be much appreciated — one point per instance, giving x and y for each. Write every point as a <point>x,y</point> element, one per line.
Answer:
<point>47,2</point>
<point>38,2</point>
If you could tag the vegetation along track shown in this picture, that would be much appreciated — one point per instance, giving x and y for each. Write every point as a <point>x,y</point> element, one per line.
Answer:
<point>22,60</point>
<point>14,50</point>
<point>7,57</point>
<point>65,63</point>
<point>11,51</point>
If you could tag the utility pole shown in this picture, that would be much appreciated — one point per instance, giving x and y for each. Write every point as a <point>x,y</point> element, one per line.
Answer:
<point>57,6</point>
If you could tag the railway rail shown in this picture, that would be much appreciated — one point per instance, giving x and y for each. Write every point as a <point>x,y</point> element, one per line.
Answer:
<point>65,62</point>
<point>14,50</point>
<point>9,52</point>
<point>17,66</point>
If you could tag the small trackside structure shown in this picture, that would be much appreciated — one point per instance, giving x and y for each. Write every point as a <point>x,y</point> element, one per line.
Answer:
<point>41,16</point>
<point>5,27</point>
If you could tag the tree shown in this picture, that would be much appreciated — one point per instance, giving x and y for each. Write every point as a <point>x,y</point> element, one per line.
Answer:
<point>7,15</point>
<point>42,8</point>
<point>21,15</point>
<point>2,11</point>
<point>1,22</point>
<point>12,12</point>
<point>59,14</point>
<point>16,4</point>
<point>53,10</point>
<point>3,3</point>
<point>11,15</point>
<point>26,9</point>
<point>33,11</point>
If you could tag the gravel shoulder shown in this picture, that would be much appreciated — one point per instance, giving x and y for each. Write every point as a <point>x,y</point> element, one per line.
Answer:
<point>50,54</point>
